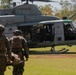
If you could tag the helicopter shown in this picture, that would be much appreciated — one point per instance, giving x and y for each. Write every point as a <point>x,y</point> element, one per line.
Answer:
<point>38,29</point>
<point>24,14</point>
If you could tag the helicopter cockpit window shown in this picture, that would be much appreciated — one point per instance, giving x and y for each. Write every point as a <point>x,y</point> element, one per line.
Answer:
<point>74,24</point>
<point>68,31</point>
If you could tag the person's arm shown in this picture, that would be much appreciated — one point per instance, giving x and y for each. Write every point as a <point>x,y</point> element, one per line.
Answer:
<point>8,48</point>
<point>26,49</point>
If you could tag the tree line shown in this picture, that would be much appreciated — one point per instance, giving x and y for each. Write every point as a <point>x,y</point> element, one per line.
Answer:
<point>67,9</point>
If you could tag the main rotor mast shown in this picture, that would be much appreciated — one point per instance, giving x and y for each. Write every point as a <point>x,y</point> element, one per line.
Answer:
<point>26,1</point>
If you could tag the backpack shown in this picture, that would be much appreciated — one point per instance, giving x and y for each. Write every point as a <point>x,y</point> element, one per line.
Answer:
<point>16,42</point>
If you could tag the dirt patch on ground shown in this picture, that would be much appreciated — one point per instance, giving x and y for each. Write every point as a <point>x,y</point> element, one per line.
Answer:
<point>54,56</point>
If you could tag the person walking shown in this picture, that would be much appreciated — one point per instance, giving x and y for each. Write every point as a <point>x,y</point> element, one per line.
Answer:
<point>18,44</point>
<point>4,50</point>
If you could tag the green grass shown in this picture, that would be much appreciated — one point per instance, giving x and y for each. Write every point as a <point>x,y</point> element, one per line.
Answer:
<point>49,65</point>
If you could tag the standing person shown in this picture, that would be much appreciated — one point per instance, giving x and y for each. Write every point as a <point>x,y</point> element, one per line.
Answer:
<point>4,50</point>
<point>18,43</point>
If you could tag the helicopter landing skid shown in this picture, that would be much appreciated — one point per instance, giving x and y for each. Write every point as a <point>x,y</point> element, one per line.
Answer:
<point>62,51</point>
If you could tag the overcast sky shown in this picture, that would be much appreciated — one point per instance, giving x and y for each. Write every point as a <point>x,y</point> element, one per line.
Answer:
<point>41,3</point>
<point>57,5</point>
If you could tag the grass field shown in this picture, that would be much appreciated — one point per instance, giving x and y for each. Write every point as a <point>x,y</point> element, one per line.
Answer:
<point>50,64</point>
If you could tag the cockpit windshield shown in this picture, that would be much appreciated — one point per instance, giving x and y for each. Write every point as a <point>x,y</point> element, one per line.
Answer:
<point>74,24</point>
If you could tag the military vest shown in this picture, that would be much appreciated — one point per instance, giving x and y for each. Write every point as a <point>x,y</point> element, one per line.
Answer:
<point>2,42</point>
<point>16,42</point>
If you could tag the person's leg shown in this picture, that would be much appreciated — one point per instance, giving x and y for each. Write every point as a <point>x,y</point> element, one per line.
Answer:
<point>2,65</point>
<point>21,66</point>
<point>20,71</point>
<point>15,70</point>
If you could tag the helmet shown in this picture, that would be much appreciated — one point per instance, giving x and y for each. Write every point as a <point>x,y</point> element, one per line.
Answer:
<point>2,28</point>
<point>17,32</point>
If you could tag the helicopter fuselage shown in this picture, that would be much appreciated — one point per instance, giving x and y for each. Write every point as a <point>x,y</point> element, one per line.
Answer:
<point>38,29</point>
<point>49,33</point>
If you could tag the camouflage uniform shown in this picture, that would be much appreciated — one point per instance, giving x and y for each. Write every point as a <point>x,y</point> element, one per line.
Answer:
<point>18,43</point>
<point>4,50</point>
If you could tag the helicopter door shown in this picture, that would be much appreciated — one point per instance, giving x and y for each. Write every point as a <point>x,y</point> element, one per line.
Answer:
<point>59,32</point>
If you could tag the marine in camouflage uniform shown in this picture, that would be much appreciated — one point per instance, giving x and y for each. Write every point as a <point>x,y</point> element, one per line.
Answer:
<point>4,50</point>
<point>18,44</point>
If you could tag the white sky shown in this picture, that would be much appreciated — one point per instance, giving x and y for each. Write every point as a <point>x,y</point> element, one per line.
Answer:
<point>57,5</point>
<point>42,3</point>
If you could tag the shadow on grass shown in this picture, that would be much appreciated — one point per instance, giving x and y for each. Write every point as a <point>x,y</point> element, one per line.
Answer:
<point>49,52</point>
<point>39,52</point>
<point>71,53</point>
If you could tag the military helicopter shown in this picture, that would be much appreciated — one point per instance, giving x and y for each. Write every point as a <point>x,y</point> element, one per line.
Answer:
<point>25,14</point>
<point>38,29</point>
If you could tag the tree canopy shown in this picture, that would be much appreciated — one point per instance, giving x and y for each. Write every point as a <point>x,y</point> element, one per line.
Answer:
<point>5,4</point>
<point>67,9</point>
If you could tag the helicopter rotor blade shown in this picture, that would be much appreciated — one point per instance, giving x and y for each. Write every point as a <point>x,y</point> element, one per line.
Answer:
<point>53,1</point>
<point>43,0</point>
